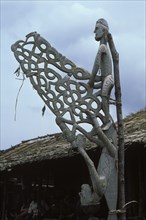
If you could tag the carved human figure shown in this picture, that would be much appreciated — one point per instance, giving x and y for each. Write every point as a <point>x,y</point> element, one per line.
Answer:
<point>101,77</point>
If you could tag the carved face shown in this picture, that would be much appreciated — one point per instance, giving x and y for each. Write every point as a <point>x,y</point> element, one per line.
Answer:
<point>85,194</point>
<point>99,31</point>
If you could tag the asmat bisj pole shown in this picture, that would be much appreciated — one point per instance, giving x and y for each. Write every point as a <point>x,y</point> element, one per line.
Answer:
<point>86,103</point>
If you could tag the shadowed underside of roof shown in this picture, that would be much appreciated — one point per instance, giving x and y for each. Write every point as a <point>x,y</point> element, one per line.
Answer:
<point>55,146</point>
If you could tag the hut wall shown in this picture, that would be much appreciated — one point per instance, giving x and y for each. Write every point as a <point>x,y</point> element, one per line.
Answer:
<point>135,181</point>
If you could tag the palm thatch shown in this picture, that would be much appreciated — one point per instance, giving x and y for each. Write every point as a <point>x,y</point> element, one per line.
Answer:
<point>51,147</point>
<point>135,128</point>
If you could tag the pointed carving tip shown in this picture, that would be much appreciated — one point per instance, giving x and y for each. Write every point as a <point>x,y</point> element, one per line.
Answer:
<point>31,34</point>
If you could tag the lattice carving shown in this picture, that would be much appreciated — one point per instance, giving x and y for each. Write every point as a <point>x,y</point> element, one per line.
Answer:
<point>59,82</point>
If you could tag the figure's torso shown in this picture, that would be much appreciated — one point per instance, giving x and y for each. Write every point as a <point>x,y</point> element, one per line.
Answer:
<point>105,62</point>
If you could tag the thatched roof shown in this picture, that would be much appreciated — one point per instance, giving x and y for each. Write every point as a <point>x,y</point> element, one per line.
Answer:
<point>51,147</point>
<point>135,128</point>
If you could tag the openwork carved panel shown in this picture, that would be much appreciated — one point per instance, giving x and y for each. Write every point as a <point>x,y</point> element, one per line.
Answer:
<point>59,82</point>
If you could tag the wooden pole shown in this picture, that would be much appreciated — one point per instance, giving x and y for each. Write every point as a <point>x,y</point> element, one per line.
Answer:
<point>121,158</point>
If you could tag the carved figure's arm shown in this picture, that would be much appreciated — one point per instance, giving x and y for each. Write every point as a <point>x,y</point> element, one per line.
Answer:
<point>96,66</point>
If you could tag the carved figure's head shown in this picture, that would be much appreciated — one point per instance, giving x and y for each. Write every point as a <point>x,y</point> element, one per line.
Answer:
<point>88,196</point>
<point>101,29</point>
<point>85,194</point>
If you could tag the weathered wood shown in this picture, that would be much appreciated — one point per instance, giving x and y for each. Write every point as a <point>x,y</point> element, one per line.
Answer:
<point>121,160</point>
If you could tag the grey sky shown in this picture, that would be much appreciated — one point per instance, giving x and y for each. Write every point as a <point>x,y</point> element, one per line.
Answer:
<point>68,26</point>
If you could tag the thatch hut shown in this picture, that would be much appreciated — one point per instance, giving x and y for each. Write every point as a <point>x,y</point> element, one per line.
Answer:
<point>49,165</point>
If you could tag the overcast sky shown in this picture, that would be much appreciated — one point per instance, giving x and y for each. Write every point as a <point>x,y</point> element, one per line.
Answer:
<point>68,26</point>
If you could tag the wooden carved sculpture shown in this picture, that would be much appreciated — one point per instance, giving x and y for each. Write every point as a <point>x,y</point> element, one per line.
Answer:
<point>80,101</point>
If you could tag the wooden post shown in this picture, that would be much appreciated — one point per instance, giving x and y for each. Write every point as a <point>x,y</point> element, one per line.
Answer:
<point>121,159</point>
